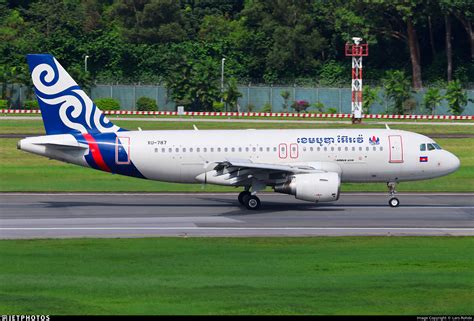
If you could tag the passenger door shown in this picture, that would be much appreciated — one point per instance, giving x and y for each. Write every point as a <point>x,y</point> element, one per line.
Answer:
<point>395,149</point>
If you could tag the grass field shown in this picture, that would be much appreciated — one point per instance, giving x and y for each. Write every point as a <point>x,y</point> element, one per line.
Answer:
<point>21,171</point>
<point>358,275</point>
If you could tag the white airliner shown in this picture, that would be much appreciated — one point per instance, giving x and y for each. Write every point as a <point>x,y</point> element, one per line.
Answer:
<point>307,163</point>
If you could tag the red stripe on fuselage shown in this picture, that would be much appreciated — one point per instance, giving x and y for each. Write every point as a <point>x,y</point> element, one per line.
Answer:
<point>95,151</point>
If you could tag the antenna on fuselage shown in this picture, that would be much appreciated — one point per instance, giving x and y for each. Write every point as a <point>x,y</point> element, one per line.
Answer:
<point>195,128</point>
<point>386,126</point>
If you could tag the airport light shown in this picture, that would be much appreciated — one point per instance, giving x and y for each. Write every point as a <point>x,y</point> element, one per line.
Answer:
<point>222,79</point>
<point>85,63</point>
<point>356,50</point>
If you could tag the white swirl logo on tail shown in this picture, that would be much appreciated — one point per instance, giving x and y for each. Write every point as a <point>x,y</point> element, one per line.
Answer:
<point>77,111</point>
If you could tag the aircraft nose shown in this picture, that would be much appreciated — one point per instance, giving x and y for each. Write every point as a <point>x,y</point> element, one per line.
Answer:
<point>452,162</point>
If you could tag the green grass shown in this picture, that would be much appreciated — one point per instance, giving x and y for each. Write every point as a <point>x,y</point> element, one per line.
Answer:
<point>351,275</point>
<point>25,172</point>
<point>35,127</point>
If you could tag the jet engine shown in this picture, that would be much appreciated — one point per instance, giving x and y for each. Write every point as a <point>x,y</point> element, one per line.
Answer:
<point>315,187</point>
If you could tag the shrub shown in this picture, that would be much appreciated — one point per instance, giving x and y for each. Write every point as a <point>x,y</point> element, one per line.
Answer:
<point>432,99</point>
<point>456,97</point>
<point>319,106</point>
<point>332,110</point>
<point>107,104</point>
<point>300,105</point>
<point>250,107</point>
<point>267,108</point>
<point>3,104</point>
<point>398,89</point>
<point>218,106</point>
<point>146,104</point>
<point>31,104</point>
<point>369,97</point>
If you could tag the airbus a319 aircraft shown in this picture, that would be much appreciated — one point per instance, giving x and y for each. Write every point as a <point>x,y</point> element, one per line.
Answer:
<point>307,163</point>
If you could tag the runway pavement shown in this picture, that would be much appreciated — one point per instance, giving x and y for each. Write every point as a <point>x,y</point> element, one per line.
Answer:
<point>138,215</point>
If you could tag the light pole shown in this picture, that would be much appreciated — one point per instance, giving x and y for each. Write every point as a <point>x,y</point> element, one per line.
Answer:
<point>85,63</point>
<point>222,79</point>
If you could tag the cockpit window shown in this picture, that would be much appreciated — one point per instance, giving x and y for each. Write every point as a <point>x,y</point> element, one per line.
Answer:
<point>422,147</point>
<point>430,147</point>
<point>437,146</point>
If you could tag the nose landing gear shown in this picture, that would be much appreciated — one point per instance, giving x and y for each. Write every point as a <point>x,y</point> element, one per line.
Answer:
<point>393,202</point>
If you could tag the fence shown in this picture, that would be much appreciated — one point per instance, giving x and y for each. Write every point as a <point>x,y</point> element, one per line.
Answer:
<point>256,96</point>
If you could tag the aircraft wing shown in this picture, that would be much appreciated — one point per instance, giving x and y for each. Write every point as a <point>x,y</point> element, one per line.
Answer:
<point>244,171</point>
<point>249,165</point>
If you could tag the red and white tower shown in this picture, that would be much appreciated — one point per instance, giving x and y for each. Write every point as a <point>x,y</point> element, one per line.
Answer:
<point>357,50</point>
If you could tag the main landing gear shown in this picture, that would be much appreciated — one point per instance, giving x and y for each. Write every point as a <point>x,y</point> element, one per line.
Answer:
<point>251,202</point>
<point>393,202</point>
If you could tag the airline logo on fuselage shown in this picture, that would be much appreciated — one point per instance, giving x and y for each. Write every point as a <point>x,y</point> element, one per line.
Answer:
<point>340,139</point>
<point>374,140</point>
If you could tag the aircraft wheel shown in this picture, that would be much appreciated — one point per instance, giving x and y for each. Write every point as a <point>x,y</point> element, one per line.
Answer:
<point>242,195</point>
<point>394,202</point>
<point>252,202</point>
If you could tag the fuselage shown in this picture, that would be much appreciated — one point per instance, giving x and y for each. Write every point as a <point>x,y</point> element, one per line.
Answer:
<point>359,155</point>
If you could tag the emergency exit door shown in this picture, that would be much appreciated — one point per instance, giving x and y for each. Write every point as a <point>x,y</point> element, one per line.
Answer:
<point>395,149</point>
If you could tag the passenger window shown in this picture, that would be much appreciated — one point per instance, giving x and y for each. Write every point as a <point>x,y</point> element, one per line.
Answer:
<point>332,149</point>
<point>225,149</point>
<point>339,148</point>
<point>240,149</point>
<point>212,149</point>
<point>304,149</point>
<point>233,149</point>
<point>268,149</point>
<point>422,147</point>
<point>360,148</point>
<point>374,148</point>
<point>347,148</point>
<point>177,150</point>
<point>204,149</point>
<point>367,148</point>
<point>325,149</point>
<point>170,150</point>
<point>198,149</point>
<point>246,149</point>
<point>430,147</point>
<point>184,150</point>
<point>254,149</point>
<point>156,150</point>
<point>353,148</point>
<point>163,150</point>
<point>319,148</point>
<point>219,149</point>
<point>381,148</point>
<point>261,149</point>
<point>274,149</point>
<point>190,150</point>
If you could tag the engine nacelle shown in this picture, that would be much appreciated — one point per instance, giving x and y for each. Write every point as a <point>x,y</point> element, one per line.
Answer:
<point>317,187</point>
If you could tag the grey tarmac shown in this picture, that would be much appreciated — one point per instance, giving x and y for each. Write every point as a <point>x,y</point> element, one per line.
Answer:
<point>37,215</point>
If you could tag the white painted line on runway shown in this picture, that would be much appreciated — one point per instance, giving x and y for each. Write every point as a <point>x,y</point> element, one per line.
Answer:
<point>242,228</point>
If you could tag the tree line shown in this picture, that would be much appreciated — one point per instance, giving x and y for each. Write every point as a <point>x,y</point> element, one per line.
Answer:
<point>181,43</point>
